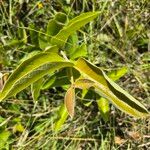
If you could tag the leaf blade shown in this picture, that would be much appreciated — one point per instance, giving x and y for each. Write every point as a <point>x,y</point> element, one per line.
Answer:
<point>30,71</point>
<point>74,25</point>
<point>63,114</point>
<point>110,90</point>
<point>103,106</point>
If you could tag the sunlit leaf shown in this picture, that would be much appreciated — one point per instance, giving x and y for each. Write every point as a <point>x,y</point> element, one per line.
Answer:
<point>54,49</point>
<point>4,135</point>
<point>18,128</point>
<point>80,51</point>
<point>32,70</point>
<point>63,114</point>
<point>74,25</point>
<point>117,74</point>
<point>103,103</point>
<point>103,106</point>
<point>110,90</point>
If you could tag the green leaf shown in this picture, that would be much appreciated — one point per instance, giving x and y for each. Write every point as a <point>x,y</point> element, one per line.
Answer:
<point>110,90</point>
<point>29,55</point>
<point>63,114</point>
<point>103,103</point>
<point>35,89</point>
<point>85,84</point>
<point>56,24</point>
<point>60,79</point>
<point>56,80</point>
<point>74,25</point>
<point>103,106</point>
<point>42,37</point>
<point>71,44</point>
<point>4,135</point>
<point>80,51</point>
<point>18,128</point>
<point>54,49</point>
<point>32,70</point>
<point>11,44</point>
<point>117,74</point>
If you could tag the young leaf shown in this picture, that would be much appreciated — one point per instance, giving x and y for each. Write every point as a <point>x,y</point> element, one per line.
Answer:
<point>35,89</point>
<point>103,106</point>
<point>70,101</point>
<point>56,24</point>
<point>4,136</point>
<point>110,90</point>
<point>74,25</point>
<point>117,74</point>
<point>80,51</point>
<point>63,114</point>
<point>32,70</point>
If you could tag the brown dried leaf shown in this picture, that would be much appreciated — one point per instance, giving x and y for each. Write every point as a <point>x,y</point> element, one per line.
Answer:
<point>3,78</point>
<point>1,84</point>
<point>119,140</point>
<point>70,101</point>
<point>134,135</point>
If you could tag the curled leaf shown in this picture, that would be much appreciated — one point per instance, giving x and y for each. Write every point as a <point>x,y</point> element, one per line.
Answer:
<point>110,90</point>
<point>70,100</point>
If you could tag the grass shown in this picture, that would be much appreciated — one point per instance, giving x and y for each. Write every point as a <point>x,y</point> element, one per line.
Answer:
<point>119,37</point>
